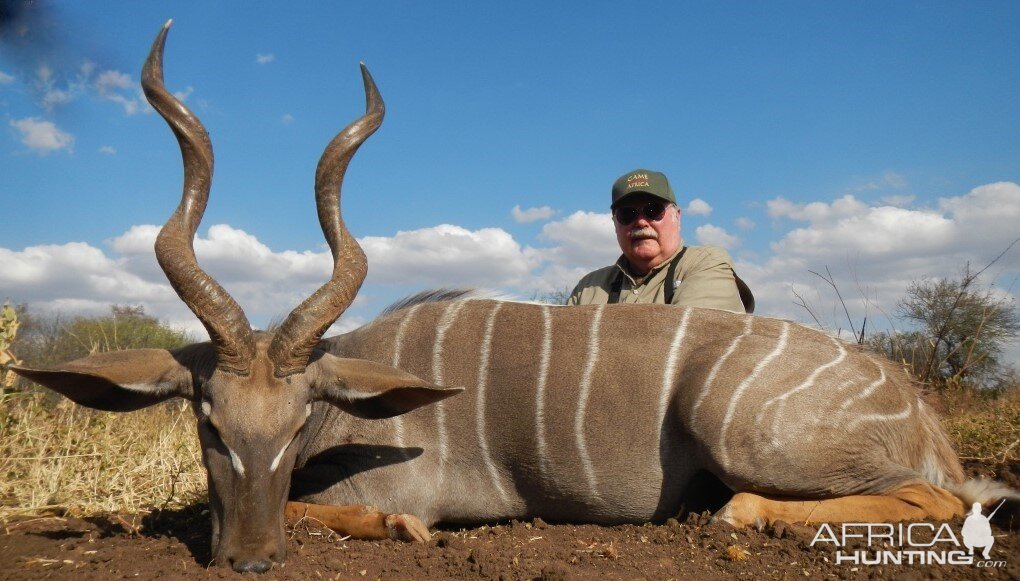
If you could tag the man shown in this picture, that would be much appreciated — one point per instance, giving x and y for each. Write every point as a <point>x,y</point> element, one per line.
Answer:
<point>655,266</point>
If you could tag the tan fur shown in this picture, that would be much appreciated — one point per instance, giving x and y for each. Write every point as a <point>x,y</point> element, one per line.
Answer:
<point>912,502</point>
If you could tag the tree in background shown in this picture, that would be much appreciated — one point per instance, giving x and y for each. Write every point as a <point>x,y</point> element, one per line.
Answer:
<point>48,340</point>
<point>959,331</point>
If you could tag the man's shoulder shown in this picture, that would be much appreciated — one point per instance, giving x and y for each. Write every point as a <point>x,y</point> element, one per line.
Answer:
<point>697,254</point>
<point>593,288</point>
<point>597,277</point>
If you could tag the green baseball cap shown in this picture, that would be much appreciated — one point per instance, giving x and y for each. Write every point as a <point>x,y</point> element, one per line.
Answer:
<point>642,181</point>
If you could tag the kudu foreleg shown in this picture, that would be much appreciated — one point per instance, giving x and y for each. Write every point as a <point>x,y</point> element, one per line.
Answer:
<point>361,521</point>
<point>912,502</point>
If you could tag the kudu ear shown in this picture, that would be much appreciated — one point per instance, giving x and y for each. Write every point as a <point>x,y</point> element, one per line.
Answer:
<point>370,390</point>
<point>120,381</point>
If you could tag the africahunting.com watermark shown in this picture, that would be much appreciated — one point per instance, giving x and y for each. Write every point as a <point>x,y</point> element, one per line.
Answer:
<point>912,543</point>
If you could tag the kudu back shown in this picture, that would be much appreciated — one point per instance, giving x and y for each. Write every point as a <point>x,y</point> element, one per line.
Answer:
<point>583,414</point>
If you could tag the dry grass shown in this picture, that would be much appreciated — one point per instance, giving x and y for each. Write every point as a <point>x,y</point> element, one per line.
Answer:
<point>63,458</point>
<point>983,429</point>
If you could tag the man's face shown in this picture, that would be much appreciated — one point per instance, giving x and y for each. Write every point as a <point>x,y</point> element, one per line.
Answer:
<point>646,242</point>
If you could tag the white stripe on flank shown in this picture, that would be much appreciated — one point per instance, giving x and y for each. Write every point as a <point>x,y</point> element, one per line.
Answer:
<point>715,371</point>
<point>398,342</point>
<point>543,377</point>
<point>483,378</point>
<point>449,314</point>
<point>880,417</point>
<point>814,375</point>
<point>810,381</point>
<point>670,371</point>
<point>582,401</point>
<point>724,456</point>
<point>867,391</point>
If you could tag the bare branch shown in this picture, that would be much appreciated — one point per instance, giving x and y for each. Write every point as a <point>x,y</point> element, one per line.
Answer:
<point>828,278</point>
<point>803,304</point>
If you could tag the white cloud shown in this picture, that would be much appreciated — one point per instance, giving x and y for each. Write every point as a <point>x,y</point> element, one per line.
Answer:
<point>5,79</point>
<point>264,59</point>
<point>872,231</point>
<point>44,74</point>
<point>73,272</point>
<point>698,207</point>
<point>848,205</point>
<point>581,242</point>
<point>888,180</point>
<point>110,80</point>
<point>710,235</point>
<point>448,255</point>
<point>182,96</point>
<point>79,278</point>
<point>531,214</point>
<point>744,223</point>
<point>117,87</point>
<point>42,136</point>
<point>898,200</point>
<point>877,250</point>
<point>585,239</point>
<point>287,119</point>
<point>54,97</point>
<point>108,150</point>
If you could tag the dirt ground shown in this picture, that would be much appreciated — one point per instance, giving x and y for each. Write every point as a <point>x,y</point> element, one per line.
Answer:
<point>175,544</point>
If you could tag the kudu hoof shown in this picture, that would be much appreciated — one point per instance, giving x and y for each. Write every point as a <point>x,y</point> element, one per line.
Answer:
<point>253,566</point>
<point>407,528</point>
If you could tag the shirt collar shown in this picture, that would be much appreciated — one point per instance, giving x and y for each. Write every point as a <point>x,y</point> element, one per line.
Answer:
<point>623,265</point>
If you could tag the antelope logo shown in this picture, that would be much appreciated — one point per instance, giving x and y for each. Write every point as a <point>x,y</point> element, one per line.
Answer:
<point>562,413</point>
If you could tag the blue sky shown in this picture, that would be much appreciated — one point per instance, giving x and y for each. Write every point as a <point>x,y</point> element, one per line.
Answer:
<point>876,138</point>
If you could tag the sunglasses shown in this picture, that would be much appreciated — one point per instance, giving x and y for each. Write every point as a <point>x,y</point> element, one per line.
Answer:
<point>652,211</point>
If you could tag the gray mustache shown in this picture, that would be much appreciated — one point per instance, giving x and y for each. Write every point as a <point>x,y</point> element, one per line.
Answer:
<point>643,233</point>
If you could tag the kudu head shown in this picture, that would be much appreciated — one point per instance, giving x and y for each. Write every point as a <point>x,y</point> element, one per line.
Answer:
<point>252,391</point>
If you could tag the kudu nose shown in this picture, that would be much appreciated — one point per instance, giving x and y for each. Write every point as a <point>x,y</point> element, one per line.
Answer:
<point>251,566</point>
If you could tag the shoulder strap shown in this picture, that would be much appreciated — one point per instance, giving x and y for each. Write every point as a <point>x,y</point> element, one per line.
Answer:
<point>615,288</point>
<point>671,276</point>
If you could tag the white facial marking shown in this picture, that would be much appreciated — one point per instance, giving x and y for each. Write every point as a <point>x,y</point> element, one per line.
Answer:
<point>308,410</point>
<point>236,461</point>
<point>206,408</point>
<point>276,461</point>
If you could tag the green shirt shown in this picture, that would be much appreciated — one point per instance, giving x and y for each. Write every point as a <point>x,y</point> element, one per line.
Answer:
<point>704,278</point>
